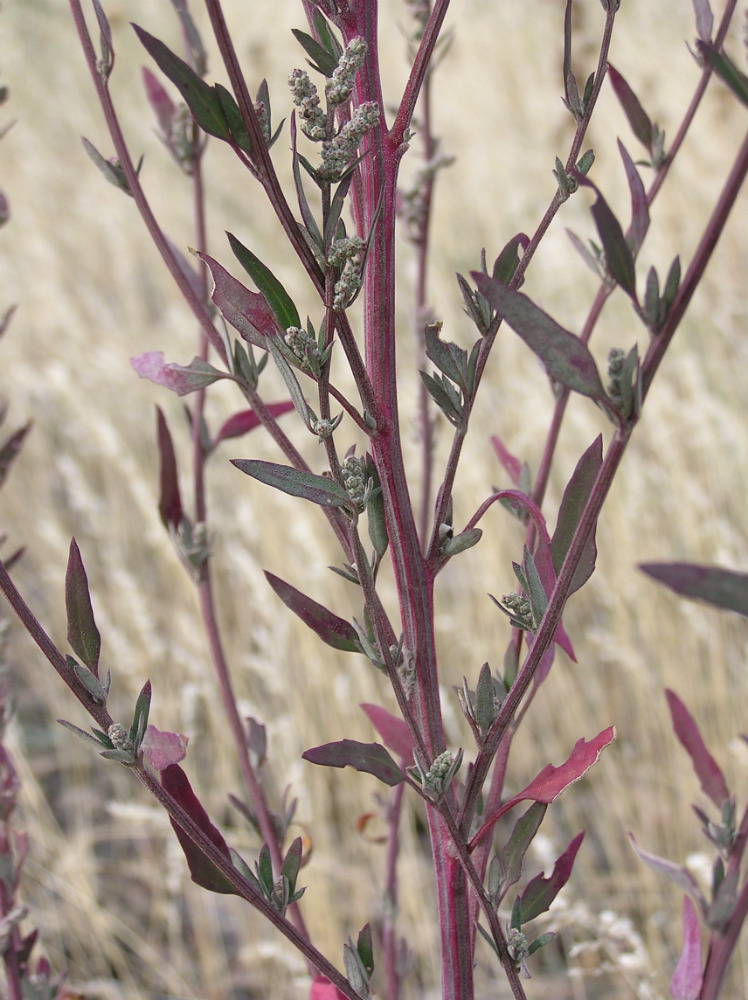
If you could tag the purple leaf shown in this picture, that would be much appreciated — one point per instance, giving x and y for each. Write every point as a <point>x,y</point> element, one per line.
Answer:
<point>639,206</point>
<point>513,852</point>
<point>680,875</point>
<point>181,379</point>
<point>723,588</point>
<point>160,750</point>
<point>564,355</point>
<point>83,635</point>
<point>618,255</point>
<point>10,448</point>
<point>170,501</point>
<point>707,769</point>
<point>686,981</point>
<point>704,19</point>
<point>247,311</point>
<point>570,512</point>
<point>368,757</point>
<point>540,891</point>
<point>336,632</point>
<point>202,869</point>
<point>638,118</point>
<point>162,105</point>
<point>317,489</point>
<point>393,731</point>
<point>246,420</point>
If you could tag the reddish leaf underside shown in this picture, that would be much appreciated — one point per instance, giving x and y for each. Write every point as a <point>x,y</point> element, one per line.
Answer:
<point>687,977</point>
<point>723,588</point>
<point>540,891</point>
<point>170,501</point>
<point>707,769</point>
<point>393,731</point>
<point>335,631</point>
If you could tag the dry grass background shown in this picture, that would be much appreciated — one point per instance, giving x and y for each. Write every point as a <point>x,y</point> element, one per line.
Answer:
<point>105,879</point>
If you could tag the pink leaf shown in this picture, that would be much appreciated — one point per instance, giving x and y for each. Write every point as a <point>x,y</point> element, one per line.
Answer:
<point>162,749</point>
<point>247,311</point>
<point>512,465</point>
<point>162,105</point>
<point>687,977</point>
<point>393,731</point>
<point>706,768</point>
<point>323,989</point>
<point>551,781</point>
<point>181,379</point>
<point>246,420</point>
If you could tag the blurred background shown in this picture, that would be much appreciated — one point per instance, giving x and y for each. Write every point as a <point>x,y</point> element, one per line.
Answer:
<point>105,879</point>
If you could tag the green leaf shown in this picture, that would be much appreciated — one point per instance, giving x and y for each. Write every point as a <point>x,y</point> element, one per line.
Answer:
<point>460,543</point>
<point>512,854</point>
<point>335,631</point>
<point>570,512</point>
<point>508,260</point>
<point>534,589</point>
<point>448,402</point>
<point>202,100</point>
<point>726,69</point>
<point>322,60</point>
<point>371,758</point>
<point>564,355</point>
<point>292,383</point>
<point>140,718</point>
<point>306,213</point>
<point>233,117</point>
<point>638,118</point>
<point>97,741</point>
<point>722,588</point>
<point>618,255</point>
<point>83,635</point>
<point>317,489</point>
<point>276,295</point>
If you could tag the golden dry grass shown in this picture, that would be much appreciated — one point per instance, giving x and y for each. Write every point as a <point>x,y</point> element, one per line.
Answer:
<point>104,876</point>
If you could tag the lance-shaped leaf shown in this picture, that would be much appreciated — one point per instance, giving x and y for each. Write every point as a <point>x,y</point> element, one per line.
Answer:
<point>170,501</point>
<point>317,489</point>
<point>723,588</point>
<point>680,875</point>
<point>162,105</point>
<point>322,60</point>
<point>639,205</point>
<point>181,379</point>
<point>276,295</point>
<point>565,357</point>
<point>335,631</point>
<point>540,891</point>
<point>202,100</point>
<point>638,118</point>
<point>685,983</point>
<point>247,420</point>
<point>202,869</point>
<point>83,635</point>
<point>393,731</point>
<point>247,311</point>
<point>618,256</point>
<point>512,465</point>
<point>372,758</point>
<point>10,448</point>
<point>551,781</point>
<point>707,769</point>
<point>726,69</point>
<point>512,854</point>
<point>570,512</point>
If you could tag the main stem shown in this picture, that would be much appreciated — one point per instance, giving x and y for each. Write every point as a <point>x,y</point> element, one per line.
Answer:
<point>379,170</point>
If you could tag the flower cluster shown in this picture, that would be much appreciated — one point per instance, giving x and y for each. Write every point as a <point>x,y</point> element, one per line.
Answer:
<point>304,348</point>
<point>347,254</point>
<point>356,481</point>
<point>312,118</point>
<point>338,152</point>
<point>339,86</point>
